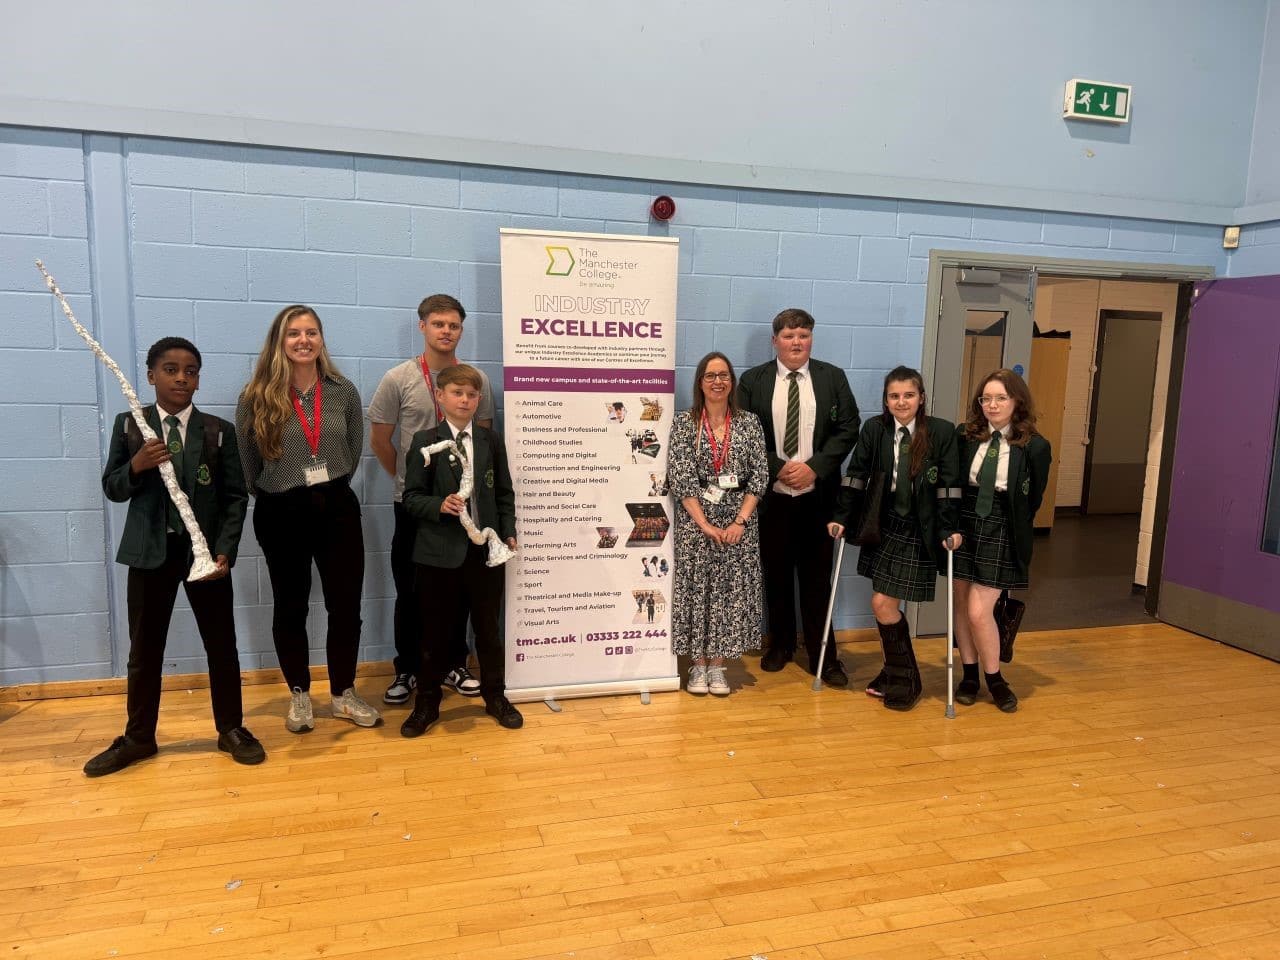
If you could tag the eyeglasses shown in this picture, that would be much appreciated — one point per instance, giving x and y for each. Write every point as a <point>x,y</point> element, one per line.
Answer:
<point>992,401</point>
<point>726,376</point>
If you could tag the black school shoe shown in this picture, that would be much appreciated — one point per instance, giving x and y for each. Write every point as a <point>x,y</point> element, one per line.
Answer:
<point>119,755</point>
<point>424,714</point>
<point>243,746</point>
<point>833,675</point>
<point>774,659</point>
<point>1005,698</point>
<point>502,710</point>
<point>967,693</point>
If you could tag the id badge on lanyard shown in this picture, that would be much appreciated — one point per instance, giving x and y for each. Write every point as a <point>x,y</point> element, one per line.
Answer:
<point>317,471</point>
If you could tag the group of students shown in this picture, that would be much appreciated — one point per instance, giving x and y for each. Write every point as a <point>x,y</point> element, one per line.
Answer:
<point>755,470</point>
<point>754,466</point>
<point>297,439</point>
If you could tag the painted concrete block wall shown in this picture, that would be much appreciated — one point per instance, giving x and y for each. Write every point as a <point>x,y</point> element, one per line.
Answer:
<point>1259,251</point>
<point>209,240</point>
<point>941,101</point>
<point>53,591</point>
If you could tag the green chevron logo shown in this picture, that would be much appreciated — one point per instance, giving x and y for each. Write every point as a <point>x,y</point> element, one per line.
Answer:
<point>561,262</point>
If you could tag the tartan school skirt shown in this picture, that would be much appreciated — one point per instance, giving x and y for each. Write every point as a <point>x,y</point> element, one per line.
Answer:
<point>986,556</point>
<point>899,566</point>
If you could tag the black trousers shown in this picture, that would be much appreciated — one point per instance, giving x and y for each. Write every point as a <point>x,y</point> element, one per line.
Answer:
<point>794,545</point>
<point>408,618</point>
<point>151,594</point>
<point>320,524</point>
<point>479,590</point>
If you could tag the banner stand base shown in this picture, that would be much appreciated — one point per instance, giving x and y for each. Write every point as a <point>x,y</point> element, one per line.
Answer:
<point>608,688</point>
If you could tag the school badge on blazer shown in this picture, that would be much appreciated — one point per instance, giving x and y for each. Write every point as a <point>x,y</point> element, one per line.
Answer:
<point>835,412</point>
<point>203,476</point>
<point>1026,487</point>
<point>488,478</point>
<point>932,475</point>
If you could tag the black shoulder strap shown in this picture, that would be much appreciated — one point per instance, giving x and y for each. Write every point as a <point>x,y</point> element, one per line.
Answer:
<point>212,441</point>
<point>132,435</point>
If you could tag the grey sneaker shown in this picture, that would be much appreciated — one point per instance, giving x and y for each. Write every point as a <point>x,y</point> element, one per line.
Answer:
<point>462,681</point>
<point>697,678</point>
<point>299,718</point>
<point>716,682</point>
<point>401,689</point>
<point>349,706</point>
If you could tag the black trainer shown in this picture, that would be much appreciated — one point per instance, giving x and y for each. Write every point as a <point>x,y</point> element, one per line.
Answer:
<point>420,719</point>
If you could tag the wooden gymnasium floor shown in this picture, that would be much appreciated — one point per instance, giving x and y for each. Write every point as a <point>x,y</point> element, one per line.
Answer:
<point>1130,810</point>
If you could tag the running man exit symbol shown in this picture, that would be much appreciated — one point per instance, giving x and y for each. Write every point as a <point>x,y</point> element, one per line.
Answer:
<point>1092,100</point>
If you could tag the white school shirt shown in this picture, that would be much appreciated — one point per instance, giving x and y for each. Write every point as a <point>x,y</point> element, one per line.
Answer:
<point>1002,464</point>
<point>808,420</point>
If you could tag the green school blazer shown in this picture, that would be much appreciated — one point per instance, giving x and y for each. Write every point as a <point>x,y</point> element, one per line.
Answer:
<point>216,490</point>
<point>1028,477</point>
<point>441,539</point>
<point>936,489</point>
<point>835,426</point>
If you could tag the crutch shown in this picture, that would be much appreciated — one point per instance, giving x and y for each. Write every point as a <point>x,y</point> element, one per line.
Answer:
<point>951,634</point>
<point>831,605</point>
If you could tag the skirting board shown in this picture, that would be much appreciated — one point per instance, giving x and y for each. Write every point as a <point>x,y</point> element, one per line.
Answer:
<point>1227,621</point>
<point>116,686</point>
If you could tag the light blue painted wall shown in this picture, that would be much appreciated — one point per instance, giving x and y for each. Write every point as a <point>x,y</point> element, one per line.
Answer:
<point>208,240</point>
<point>1262,191</point>
<point>920,99</point>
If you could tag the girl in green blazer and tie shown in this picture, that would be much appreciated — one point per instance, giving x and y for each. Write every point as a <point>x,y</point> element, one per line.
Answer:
<point>918,521</point>
<point>1005,464</point>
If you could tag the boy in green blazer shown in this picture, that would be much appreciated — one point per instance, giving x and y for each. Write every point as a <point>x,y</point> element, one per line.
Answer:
<point>448,563</point>
<point>157,549</point>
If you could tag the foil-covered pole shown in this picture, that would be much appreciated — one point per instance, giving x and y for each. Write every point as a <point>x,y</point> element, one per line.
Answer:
<point>204,565</point>
<point>499,552</point>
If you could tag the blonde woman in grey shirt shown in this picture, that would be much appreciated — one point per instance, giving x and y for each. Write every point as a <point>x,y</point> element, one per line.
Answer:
<point>303,432</point>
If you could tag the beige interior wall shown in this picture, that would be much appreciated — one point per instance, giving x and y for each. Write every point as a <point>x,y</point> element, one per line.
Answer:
<point>1162,297</point>
<point>1072,304</point>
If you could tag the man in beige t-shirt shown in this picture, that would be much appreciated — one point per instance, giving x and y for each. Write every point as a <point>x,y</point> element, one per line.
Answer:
<point>406,399</point>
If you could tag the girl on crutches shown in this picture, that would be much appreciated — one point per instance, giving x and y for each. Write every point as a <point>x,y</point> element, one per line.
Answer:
<point>918,521</point>
<point>1006,465</point>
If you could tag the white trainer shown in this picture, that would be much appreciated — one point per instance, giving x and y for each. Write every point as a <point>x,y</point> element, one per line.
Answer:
<point>299,718</point>
<point>716,682</point>
<point>349,706</point>
<point>697,678</point>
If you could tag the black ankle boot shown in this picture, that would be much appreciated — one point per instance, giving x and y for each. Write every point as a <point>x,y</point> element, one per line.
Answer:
<point>902,685</point>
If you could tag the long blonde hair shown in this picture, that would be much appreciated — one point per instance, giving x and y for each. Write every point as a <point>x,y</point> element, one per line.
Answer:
<point>267,392</point>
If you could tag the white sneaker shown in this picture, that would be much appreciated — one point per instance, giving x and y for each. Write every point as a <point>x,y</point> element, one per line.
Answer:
<point>697,679</point>
<point>401,689</point>
<point>716,682</point>
<point>349,706</point>
<point>462,681</point>
<point>299,719</point>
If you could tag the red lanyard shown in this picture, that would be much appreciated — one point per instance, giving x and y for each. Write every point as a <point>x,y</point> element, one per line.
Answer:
<point>310,431</point>
<point>718,454</point>
<point>431,387</point>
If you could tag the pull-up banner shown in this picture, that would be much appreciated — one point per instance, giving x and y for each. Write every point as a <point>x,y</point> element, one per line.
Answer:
<point>589,343</point>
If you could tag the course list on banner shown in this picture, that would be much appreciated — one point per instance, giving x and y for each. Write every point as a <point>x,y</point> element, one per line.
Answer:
<point>589,386</point>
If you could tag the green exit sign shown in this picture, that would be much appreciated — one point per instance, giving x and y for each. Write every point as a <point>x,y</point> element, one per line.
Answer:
<point>1091,100</point>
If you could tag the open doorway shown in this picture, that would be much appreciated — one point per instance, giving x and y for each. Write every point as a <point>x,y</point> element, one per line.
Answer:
<point>1048,319</point>
<point>1093,569</point>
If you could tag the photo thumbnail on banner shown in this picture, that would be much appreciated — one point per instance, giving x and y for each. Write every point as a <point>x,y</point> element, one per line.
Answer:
<point>589,338</point>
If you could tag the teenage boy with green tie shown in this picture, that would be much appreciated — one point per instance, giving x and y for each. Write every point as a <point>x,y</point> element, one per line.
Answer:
<point>157,549</point>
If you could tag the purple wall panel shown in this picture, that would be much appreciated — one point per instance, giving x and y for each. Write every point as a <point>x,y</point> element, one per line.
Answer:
<point>1226,427</point>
